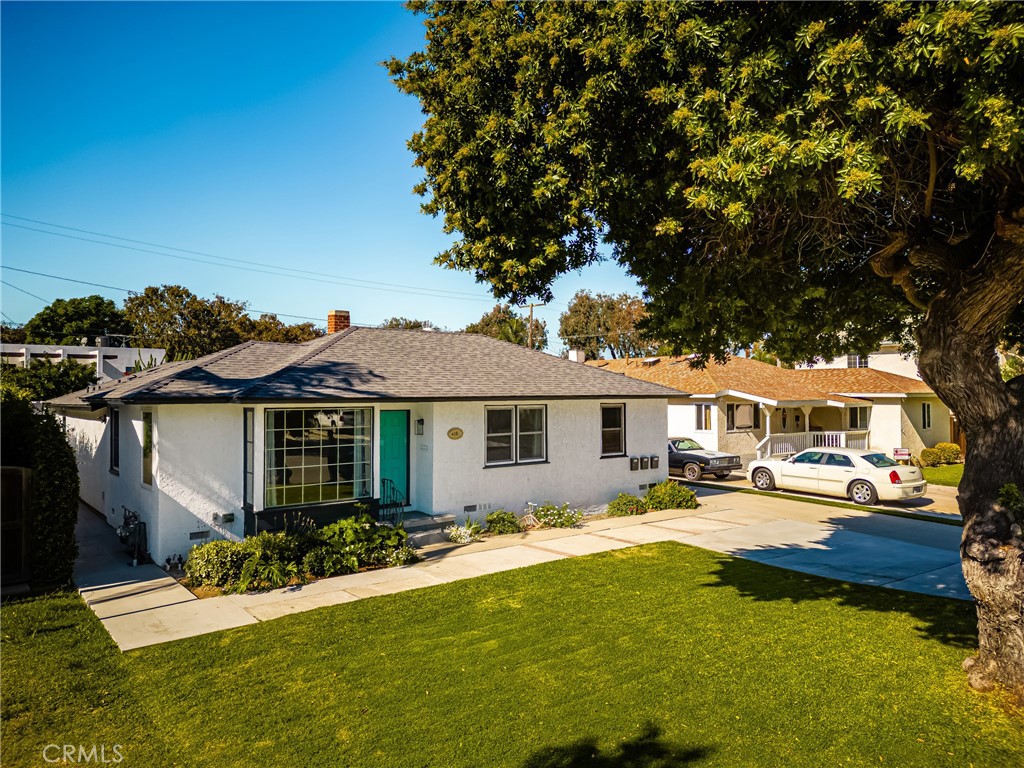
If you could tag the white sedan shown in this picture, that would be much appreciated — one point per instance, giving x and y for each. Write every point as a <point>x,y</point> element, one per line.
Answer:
<point>863,476</point>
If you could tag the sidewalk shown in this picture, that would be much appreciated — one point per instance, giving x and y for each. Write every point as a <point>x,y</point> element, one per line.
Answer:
<point>143,606</point>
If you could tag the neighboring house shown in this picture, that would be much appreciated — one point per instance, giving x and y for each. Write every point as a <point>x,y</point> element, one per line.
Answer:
<point>888,357</point>
<point>109,362</point>
<point>238,441</point>
<point>757,410</point>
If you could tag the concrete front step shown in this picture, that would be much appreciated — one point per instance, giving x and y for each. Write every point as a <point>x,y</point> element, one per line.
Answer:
<point>427,529</point>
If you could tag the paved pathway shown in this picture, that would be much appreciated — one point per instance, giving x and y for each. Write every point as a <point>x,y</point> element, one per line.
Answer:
<point>143,606</point>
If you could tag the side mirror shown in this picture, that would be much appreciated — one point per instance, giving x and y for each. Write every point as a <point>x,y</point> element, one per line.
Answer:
<point>791,460</point>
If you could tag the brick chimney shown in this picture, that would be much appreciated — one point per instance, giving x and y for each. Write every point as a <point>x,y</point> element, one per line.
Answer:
<point>337,320</point>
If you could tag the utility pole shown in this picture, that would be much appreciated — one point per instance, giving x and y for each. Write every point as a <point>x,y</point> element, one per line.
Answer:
<point>529,328</point>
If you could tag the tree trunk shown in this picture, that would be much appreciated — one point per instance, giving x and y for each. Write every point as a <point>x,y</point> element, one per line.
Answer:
<point>957,342</point>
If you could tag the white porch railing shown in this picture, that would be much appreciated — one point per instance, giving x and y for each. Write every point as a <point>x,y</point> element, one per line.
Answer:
<point>788,443</point>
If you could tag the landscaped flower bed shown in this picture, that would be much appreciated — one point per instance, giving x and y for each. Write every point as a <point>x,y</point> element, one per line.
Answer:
<point>274,560</point>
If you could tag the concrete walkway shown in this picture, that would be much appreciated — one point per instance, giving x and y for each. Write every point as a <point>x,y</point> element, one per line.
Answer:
<point>143,606</point>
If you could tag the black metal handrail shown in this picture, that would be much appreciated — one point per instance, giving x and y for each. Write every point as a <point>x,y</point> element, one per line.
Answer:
<point>392,502</point>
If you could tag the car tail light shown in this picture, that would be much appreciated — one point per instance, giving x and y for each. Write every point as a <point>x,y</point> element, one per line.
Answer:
<point>894,478</point>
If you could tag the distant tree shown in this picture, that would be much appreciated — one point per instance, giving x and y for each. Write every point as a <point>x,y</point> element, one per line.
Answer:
<point>267,327</point>
<point>43,380</point>
<point>406,323</point>
<point>12,334</point>
<point>68,321</point>
<point>1013,365</point>
<point>505,324</point>
<point>599,322</point>
<point>173,318</point>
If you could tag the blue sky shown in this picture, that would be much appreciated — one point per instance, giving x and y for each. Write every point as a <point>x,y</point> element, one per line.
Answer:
<point>264,132</point>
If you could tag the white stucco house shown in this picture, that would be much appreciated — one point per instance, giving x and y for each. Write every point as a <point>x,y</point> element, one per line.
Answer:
<point>238,441</point>
<point>757,410</point>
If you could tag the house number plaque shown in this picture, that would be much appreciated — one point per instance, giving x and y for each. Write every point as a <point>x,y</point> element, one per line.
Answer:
<point>455,433</point>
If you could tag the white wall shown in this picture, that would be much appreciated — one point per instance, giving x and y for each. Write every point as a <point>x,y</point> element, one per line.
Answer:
<point>915,436</point>
<point>888,359</point>
<point>109,362</point>
<point>198,472</point>
<point>574,471</point>
<point>682,422</point>
<point>885,425</point>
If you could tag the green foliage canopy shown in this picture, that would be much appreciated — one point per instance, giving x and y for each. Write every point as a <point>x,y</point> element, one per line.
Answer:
<point>505,324</point>
<point>596,322</point>
<point>67,321</point>
<point>757,166</point>
<point>44,380</point>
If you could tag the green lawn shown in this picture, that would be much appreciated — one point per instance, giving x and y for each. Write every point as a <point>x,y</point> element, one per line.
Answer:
<point>654,656</point>
<point>947,474</point>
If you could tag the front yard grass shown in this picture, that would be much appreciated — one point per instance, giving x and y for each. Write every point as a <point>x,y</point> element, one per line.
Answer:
<point>655,656</point>
<point>947,474</point>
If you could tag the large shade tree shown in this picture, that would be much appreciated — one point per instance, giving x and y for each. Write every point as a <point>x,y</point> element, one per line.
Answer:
<point>819,176</point>
<point>68,321</point>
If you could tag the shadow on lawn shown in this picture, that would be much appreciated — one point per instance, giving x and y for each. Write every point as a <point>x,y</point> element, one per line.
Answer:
<point>648,750</point>
<point>952,622</point>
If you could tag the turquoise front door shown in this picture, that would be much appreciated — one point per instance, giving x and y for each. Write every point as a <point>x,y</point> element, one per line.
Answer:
<point>394,450</point>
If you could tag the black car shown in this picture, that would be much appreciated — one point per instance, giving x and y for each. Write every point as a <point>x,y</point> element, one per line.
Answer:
<point>686,457</point>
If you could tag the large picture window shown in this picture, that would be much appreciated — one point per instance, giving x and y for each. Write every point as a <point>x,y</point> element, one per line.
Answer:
<point>317,455</point>
<point>515,434</point>
<point>613,430</point>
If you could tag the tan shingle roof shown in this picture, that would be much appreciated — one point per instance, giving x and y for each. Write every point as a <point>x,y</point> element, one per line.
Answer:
<point>369,364</point>
<point>762,380</point>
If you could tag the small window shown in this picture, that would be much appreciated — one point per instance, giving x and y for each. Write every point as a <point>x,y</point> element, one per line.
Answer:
<point>859,417</point>
<point>926,415</point>
<point>531,433</point>
<point>741,417</point>
<point>809,457</point>
<point>703,420</point>
<point>248,457</point>
<point>499,435</point>
<point>837,460</point>
<point>147,448</point>
<point>613,430</point>
<point>856,361</point>
<point>515,434</point>
<point>115,439</point>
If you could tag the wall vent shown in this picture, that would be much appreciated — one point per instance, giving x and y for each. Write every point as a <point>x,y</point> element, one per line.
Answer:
<point>469,508</point>
<point>643,486</point>
<point>198,535</point>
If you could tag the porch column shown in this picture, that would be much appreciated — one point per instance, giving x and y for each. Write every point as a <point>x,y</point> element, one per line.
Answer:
<point>806,410</point>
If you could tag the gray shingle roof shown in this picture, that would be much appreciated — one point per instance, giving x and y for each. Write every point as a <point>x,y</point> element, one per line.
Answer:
<point>369,364</point>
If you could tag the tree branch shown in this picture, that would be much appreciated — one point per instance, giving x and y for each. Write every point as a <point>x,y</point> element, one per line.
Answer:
<point>933,172</point>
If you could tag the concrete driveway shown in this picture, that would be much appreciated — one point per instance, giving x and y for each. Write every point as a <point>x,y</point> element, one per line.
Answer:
<point>143,606</point>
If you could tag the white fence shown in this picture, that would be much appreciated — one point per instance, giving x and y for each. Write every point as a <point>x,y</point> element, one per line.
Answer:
<point>789,443</point>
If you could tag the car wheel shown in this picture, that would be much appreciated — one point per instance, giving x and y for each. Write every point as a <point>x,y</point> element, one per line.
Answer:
<point>691,471</point>
<point>863,492</point>
<point>722,475</point>
<point>763,480</point>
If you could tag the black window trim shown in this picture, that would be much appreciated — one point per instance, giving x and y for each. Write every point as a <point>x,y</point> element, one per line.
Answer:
<point>515,434</point>
<point>622,409</point>
<point>115,441</point>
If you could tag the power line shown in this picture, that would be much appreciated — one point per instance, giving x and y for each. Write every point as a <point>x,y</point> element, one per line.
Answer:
<point>124,290</point>
<point>353,282</point>
<point>27,293</point>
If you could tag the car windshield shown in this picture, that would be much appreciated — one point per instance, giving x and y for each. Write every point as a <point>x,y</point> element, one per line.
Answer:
<point>686,444</point>
<point>879,460</point>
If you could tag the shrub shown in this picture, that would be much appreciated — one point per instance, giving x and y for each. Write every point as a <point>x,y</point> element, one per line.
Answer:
<point>329,561</point>
<point>404,555</point>
<point>503,521</point>
<point>37,441</point>
<point>949,453</point>
<point>930,457</point>
<point>465,533</point>
<point>669,494</point>
<point>626,504</point>
<point>276,546</point>
<point>556,517</point>
<point>216,564</point>
<point>364,538</point>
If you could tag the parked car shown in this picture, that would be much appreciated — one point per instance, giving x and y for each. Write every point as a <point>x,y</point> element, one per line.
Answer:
<point>863,476</point>
<point>690,460</point>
